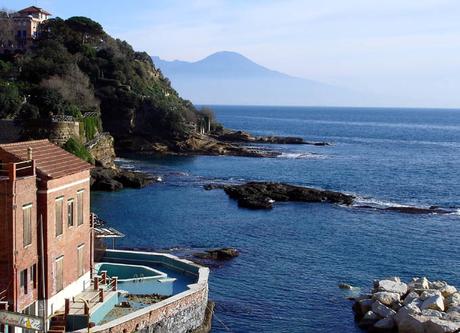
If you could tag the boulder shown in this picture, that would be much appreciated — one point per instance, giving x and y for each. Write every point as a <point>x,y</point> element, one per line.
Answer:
<point>365,305</point>
<point>386,298</point>
<point>436,325</point>
<point>405,311</point>
<point>396,306</point>
<point>455,308</point>
<point>382,310</point>
<point>419,283</point>
<point>225,253</point>
<point>368,320</point>
<point>433,313</point>
<point>385,324</point>
<point>437,284</point>
<point>435,302</point>
<point>392,287</point>
<point>452,300</point>
<point>412,324</point>
<point>429,293</point>
<point>410,297</point>
<point>453,316</point>
<point>448,290</point>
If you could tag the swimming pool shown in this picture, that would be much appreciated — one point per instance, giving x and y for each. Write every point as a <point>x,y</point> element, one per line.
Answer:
<point>129,273</point>
<point>147,277</point>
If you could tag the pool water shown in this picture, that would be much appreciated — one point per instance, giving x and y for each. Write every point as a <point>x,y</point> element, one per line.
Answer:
<point>151,278</point>
<point>129,272</point>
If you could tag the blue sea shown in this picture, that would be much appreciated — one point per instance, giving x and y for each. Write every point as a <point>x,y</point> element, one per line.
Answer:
<point>294,256</point>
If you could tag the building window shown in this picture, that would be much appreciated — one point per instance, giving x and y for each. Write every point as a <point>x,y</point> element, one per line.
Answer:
<point>80,266</point>
<point>33,275</point>
<point>58,218</point>
<point>23,282</point>
<point>70,205</point>
<point>27,224</point>
<point>59,274</point>
<point>80,216</point>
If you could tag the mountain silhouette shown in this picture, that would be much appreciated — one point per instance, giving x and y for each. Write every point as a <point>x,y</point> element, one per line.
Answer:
<point>231,78</point>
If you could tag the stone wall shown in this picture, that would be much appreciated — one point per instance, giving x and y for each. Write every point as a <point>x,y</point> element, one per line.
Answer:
<point>60,132</point>
<point>181,313</point>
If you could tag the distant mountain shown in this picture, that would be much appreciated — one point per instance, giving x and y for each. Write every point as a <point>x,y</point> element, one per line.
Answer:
<point>230,78</point>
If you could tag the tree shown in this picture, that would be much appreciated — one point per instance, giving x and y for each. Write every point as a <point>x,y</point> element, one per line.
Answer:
<point>75,88</point>
<point>86,28</point>
<point>10,100</point>
<point>7,36</point>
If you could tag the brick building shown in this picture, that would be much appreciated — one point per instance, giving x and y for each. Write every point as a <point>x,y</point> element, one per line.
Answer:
<point>44,190</point>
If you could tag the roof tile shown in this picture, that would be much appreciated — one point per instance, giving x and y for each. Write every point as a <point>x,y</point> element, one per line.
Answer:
<point>51,160</point>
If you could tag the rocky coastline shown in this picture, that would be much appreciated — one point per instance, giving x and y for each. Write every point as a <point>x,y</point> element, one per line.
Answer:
<point>225,142</point>
<point>420,306</point>
<point>244,137</point>
<point>115,179</point>
<point>262,195</point>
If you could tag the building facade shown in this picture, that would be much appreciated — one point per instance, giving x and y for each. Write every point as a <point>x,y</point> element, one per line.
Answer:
<point>23,27</point>
<point>44,208</point>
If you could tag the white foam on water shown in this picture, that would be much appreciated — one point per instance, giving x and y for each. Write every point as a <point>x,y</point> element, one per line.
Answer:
<point>456,212</point>
<point>365,201</point>
<point>300,156</point>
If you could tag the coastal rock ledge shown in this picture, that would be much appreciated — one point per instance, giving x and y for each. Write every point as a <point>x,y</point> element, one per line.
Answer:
<point>262,195</point>
<point>419,306</point>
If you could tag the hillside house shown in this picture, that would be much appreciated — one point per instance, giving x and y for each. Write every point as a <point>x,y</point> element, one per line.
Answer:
<point>23,27</point>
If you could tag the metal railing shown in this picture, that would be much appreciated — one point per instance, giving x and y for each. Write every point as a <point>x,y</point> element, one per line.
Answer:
<point>3,295</point>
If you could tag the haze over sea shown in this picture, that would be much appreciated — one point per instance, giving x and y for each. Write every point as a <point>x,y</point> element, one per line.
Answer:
<point>293,257</point>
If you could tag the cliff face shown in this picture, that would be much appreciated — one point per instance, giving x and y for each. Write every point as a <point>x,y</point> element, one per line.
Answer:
<point>102,150</point>
<point>75,69</point>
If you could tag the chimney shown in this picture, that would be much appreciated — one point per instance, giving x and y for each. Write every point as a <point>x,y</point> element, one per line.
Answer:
<point>29,154</point>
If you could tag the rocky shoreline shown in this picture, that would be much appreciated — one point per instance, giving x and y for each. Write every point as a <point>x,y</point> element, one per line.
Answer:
<point>115,179</point>
<point>226,142</point>
<point>419,306</point>
<point>245,137</point>
<point>262,195</point>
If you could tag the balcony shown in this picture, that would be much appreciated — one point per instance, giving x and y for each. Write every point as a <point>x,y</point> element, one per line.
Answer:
<point>12,171</point>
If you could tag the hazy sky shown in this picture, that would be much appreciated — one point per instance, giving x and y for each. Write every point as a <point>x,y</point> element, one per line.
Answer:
<point>408,50</point>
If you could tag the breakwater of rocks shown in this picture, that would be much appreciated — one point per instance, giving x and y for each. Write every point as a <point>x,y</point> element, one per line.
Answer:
<point>420,306</point>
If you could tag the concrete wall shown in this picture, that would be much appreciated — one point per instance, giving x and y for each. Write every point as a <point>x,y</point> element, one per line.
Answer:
<point>183,312</point>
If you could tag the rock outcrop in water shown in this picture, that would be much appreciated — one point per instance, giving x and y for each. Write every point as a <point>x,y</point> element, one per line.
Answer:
<point>245,137</point>
<point>114,179</point>
<point>262,195</point>
<point>419,306</point>
<point>225,253</point>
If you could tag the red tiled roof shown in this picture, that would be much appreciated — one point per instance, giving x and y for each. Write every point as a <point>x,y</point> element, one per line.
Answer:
<point>33,9</point>
<point>51,160</point>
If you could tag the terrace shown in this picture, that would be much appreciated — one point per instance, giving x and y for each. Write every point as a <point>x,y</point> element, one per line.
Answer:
<point>13,171</point>
<point>129,284</point>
